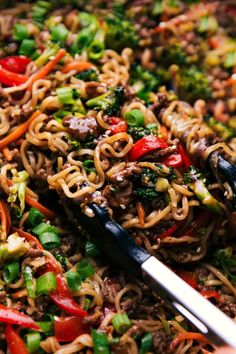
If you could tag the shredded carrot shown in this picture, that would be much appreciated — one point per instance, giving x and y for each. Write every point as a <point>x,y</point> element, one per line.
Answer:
<point>164,132</point>
<point>7,153</point>
<point>141,213</point>
<point>5,220</point>
<point>19,131</point>
<point>231,81</point>
<point>44,71</point>
<point>19,294</point>
<point>30,238</point>
<point>186,336</point>
<point>35,204</point>
<point>79,66</point>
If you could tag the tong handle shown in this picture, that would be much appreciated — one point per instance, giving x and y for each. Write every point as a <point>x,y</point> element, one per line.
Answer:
<point>206,317</point>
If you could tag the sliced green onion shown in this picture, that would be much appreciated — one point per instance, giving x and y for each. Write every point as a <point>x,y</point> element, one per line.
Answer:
<point>43,227</point>
<point>100,342</point>
<point>47,325</point>
<point>29,282</point>
<point>151,126</point>
<point>91,249</point>
<point>49,240</point>
<point>146,343</point>
<point>59,33</point>
<point>48,52</point>
<point>82,41</point>
<point>33,342</point>
<point>59,115</point>
<point>11,271</point>
<point>65,95</point>
<point>73,280</point>
<point>87,303</point>
<point>36,54</point>
<point>96,49</point>
<point>134,117</point>
<point>230,59</point>
<point>121,323</point>
<point>89,166</point>
<point>35,217</point>
<point>20,32</point>
<point>85,269</point>
<point>27,47</point>
<point>46,283</point>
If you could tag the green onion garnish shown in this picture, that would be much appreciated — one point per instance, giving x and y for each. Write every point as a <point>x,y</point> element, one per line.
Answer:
<point>230,59</point>
<point>35,217</point>
<point>121,323</point>
<point>48,52</point>
<point>89,166</point>
<point>33,342</point>
<point>27,47</point>
<point>100,342</point>
<point>59,33</point>
<point>87,303</point>
<point>85,269</point>
<point>29,282</point>
<point>146,343</point>
<point>91,249</point>
<point>46,283</point>
<point>20,32</point>
<point>65,95</point>
<point>96,49</point>
<point>73,280</point>
<point>11,271</point>
<point>134,117</point>
<point>49,240</point>
<point>43,227</point>
<point>47,324</point>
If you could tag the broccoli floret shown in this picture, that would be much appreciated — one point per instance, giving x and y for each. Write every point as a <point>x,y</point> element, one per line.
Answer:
<point>224,258</point>
<point>147,194</point>
<point>88,75</point>
<point>61,258</point>
<point>193,84</point>
<point>174,54</point>
<point>109,102</point>
<point>120,34</point>
<point>139,132</point>
<point>148,176</point>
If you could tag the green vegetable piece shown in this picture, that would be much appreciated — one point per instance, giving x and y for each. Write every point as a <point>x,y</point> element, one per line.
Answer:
<point>89,166</point>
<point>147,194</point>
<point>14,247</point>
<point>230,59</point>
<point>135,117</point>
<point>49,240</point>
<point>73,280</point>
<point>100,342</point>
<point>59,33</point>
<point>85,269</point>
<point>87,303</point>
<point>109,102</point>
<point>44,227</point>
<point>146,343</point>
<point>223,130</point>
<point>29,282</point>
<point>96,50</point>
<point>20,32</point>
<point>27,47</point>
<point>33,342</point>
<point>88,75</point>
<point>11,271</point>
<point>47,325</point>
<point>91,249</point>
<point>50,51</point>
<point>121,323</point>
<point>65,95</point>
<point>35,217</point>
<point>46,283</point>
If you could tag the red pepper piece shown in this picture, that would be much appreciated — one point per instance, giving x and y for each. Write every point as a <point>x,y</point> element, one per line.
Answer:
<point>118,125</point>
<point>9,78</point>
<point>145,145</point>
<point>209,294</point>
<point>174,160</point>
<point>8,315</point>
<point>66,329</point>
<point>14,342</point>
<point>169,231</point>
<point>186,160</point>
<point>188,277</point>
<point>15,64</point>
<point>64,300</point>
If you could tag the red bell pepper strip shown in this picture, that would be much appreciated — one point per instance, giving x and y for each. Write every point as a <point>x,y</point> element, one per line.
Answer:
<point>15,64</point>
<point>188,277</point>
<point>67,329</point>
<point>174,160</point>
<point>64,300</point>
<point>209,294</point>
<point>145,145</point>
<point>169,231</point>
<point>9,78</point>
<point>186,160</point>
<point>118,125</point>
<point>14,342</point>
<point>12,316</point>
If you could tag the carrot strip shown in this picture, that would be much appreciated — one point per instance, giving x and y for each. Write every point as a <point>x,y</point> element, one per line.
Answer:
<point>19,131</point>
<point>164,132</point>
<point>5,220</point>
<point>28,237</point>
<point>19,294</point>
<point>35,204</point>
<point>184,336</point>
<point>78,66</point>
<point>141,213</point>
<point>44,71</point>
<point>7,153</point>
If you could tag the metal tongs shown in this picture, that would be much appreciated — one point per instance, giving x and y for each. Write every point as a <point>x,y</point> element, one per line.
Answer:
<point>120,247</point>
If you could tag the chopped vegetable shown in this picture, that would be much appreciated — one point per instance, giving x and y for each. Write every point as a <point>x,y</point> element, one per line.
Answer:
<point>109,102</point>
<point>15,64</point>
<point>147,194</point>
<point>35,217</point>
<point>9,78</point>
<point>46,283</point>
<point>73,280</point>
<point>14,247</point>
<point>14,342</point>
<point>49,240</point>
<point>100,342</point>
<point>67,329</point>
<point>18,190</point>
<point>44,227</point>
<point>33,342</point>
<point>118,125</point>
<point>146,343</point>
<point>134,117</point>
<point>11,271</point>
<point>12,316</point>
<point>27,47</point>
<point>121,322</point>
<point>59,33</point>
<point>91,249</point>
<point>29,282</point>
<point>146,145</point>
<point>20,32</point>
<point>85,269</point>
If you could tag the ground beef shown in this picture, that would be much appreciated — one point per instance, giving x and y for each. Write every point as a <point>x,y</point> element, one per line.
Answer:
<point>121,178</point>
<point>110,289</point>
<point>130,306</point>
<point>161,341</point>
<point>156,154</point>
<point>118,198</point>
<point>81,128</point>
<point>229,308</point>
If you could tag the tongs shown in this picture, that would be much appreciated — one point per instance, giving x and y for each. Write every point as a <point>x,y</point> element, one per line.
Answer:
<point>121,249</point>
